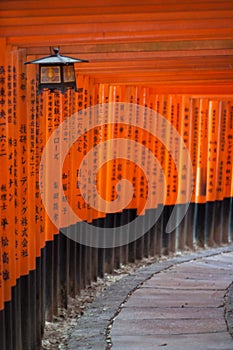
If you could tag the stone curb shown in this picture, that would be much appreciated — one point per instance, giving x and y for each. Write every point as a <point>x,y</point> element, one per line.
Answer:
<point>92,328</point>
<point>229,309</point>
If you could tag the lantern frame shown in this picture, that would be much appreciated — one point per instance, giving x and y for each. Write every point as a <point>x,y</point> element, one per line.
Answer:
<point>56,72</point>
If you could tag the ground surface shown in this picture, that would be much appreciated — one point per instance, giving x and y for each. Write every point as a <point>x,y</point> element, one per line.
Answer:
<point>182,307</point>
<point>152,306</point>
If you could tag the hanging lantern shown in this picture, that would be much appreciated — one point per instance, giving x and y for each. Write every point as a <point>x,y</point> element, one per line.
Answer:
<point>56,72</point>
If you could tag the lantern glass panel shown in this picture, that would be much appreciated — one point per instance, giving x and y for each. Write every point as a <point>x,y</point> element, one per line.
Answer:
<point>50,74</point>
<point>68,74</point>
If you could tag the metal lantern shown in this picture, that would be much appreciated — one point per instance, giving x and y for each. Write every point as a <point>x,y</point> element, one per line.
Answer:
<point>56,72</point>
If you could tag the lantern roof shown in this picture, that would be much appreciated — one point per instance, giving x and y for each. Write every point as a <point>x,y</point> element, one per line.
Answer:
<point>56,59</point>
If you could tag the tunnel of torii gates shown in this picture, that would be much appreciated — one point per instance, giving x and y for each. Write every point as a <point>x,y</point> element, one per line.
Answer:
<point>167,79</point>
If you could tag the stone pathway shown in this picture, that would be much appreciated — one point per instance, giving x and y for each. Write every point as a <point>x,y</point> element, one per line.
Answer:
<point>174,304</point>
<point>178,308</point>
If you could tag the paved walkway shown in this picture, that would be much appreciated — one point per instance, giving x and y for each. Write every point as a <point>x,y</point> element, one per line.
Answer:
<point>176,304</point>
<point>179,308</point>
